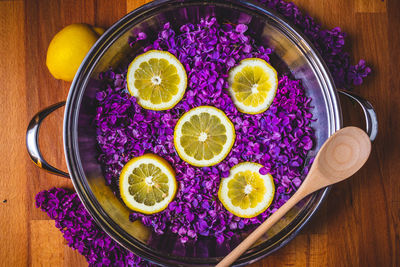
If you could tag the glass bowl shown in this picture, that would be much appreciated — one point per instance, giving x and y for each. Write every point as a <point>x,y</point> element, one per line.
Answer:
<point>292,54</point>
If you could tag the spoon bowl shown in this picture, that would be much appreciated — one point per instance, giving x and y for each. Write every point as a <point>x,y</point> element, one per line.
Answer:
<point>342,155</point>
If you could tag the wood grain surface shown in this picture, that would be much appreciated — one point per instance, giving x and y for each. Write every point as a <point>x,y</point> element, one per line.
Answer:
<point>358,225</point>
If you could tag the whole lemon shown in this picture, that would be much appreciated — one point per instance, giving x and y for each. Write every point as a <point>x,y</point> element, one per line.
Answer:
<point>68,48</point>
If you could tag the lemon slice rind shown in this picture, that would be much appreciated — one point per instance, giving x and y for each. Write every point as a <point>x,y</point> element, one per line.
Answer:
<point>273,76</point>
<point>230,130</point>
<point>157,54</point>
<point>124,184</point>
<point>249,212</point>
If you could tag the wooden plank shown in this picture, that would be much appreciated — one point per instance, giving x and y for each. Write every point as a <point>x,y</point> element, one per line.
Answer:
<point>395,245</point>
<point>49,248</point>
<point>375,191</point>
<point>109,12</point>
<point>304,250</point>
<point>388,155</point>
<point>133,4</point>
<point>72,258</point>
<point>46,244</point>
<point>290,255</point>
<point>43,19</point>
<point>343,237</point>
<point>13,178</point>
<point>371,6</point>
<point>318,252</point>
<point>387,158</point>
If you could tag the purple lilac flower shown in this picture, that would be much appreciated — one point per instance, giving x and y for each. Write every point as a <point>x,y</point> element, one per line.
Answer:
<point>279,138</point>
<point>358,72</point>
<point>81,232</point>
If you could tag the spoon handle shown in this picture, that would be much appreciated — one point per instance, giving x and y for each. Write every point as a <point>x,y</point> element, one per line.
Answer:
<point>260,230</point>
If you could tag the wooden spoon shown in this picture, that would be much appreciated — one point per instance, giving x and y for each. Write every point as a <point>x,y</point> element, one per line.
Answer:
<point>343,154</point>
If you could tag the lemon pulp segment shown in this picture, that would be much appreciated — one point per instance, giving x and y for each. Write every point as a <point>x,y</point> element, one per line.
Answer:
<point>252,85</point>
<point>157,79</point>
<point>246,189</point>
<point>204,136</point>
<point>246,193</point>
<point>147,184</point>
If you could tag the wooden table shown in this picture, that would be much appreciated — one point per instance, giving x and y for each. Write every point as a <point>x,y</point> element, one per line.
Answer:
<point>358,225</point>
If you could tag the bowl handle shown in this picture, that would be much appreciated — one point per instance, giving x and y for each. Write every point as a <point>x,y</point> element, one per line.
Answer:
<point>32,143</point>
<point>369,113</point>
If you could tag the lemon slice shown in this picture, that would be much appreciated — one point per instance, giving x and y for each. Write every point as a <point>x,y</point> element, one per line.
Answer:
<point>204,136</point>
<point>246,193</point>
<point>252,85</point>
<point>147,184</point>
<point>157,79</point>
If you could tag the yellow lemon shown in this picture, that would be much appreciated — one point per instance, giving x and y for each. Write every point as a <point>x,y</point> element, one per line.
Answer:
<point>246,193</point>
<point>68,48</point>
<point>252,85</point>
<point>204,136</point>
<point>147,184</point>
<point>157,79</point>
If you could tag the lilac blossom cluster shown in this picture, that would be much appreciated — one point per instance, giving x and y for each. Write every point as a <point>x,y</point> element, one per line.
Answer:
<point>81,232</point>
<point>279,138</point>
